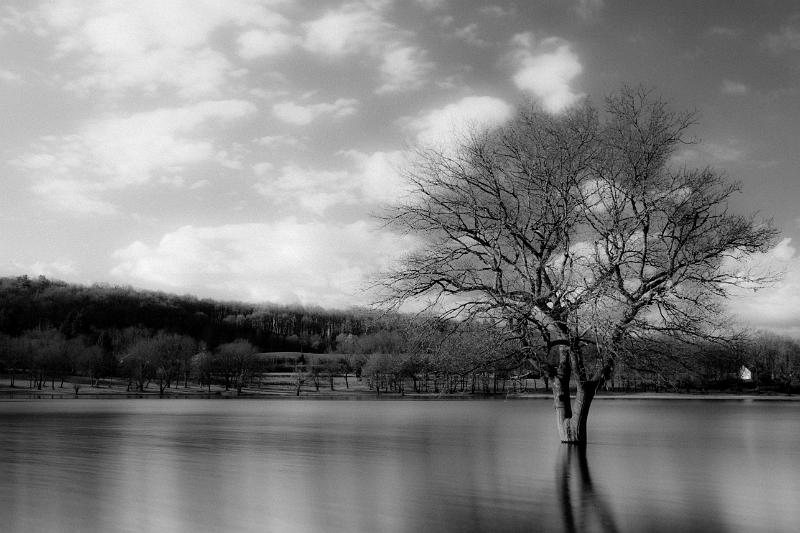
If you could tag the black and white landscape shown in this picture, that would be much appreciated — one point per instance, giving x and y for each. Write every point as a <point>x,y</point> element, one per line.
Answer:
<point>389,265</point>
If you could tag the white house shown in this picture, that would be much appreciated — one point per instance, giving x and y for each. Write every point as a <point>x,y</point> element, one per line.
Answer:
<point>745,374</point>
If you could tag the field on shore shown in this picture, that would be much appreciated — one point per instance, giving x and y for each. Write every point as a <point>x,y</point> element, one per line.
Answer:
<point>284,385</point>
<point>277,384</point>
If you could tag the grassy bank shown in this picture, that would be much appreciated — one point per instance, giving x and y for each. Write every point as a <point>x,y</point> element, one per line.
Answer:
<point>285,385</point>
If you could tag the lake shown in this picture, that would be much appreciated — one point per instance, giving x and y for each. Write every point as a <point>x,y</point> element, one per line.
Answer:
<point>383,465</point>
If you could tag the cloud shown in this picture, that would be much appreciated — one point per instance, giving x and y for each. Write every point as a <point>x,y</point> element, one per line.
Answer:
<point>712,153</point>
<point>263,168</point>
<point>352,28</point>
<point>786,39</point>
<point>275,142</point>
<point>378,175</point>
<point>59,269</point>
<point>404,69</point>
<point>149,46</point>
<point>254,44</point>
<point>9,76</point>
<point>71,171</point>
<point>497,11</point>
<point>734,88</point>
<point>469,34</point>
<point>301,115</point>
<point>587,9</point>
<point>430,5</point>
<point>361,28</point>
<point>724,153</point>
<point>546,70</point>
<point>774,307</point>
<point>73,195</point>
<point>311,190</point>
<point>13,19</point>
<point>723,31</point>
<point>446,126</point>
<point>51,269</point>
<point>284,262</point>
<point>368,179</point>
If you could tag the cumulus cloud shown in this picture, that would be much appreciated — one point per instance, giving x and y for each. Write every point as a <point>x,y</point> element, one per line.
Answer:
<point>725,153</point>
<point>404,69</point>
<point>301,115</point>
<point>432,4</point>
<point>723,31</point>
<point>774,307</point>
<point>712,153</point>
<point>9,76</point>
<point>59,269</point>
<point>307,189</point>
<point>53,269</point>
<point>361,28</point>
<point>275,142</point>
<point>260,43</point>
<point>71,171</point>
<point>148,46</point>
<point>496,11</point>
<point>469,34</point>
<point>785,39</point>
<point>546,70</point>
<point>73,195</point>
<point>349,29</point>
<point>378,174</point>
<point>367,179</point>
<point>447,125</point>
<point>263,168</point>
<point>734,88</point>
<point>587,9</point>
<point>284,262</point>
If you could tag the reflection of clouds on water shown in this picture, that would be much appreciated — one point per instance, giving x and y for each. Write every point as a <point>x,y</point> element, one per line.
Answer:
<point>364,466</point>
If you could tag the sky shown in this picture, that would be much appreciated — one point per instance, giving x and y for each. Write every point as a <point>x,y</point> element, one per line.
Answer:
<point>239,150</point>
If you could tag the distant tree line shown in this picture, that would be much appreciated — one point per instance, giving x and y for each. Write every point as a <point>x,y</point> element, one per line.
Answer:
<point>94,311</point>
<point>52,332</point>
<point>759,361</point>
<point>471,357</point>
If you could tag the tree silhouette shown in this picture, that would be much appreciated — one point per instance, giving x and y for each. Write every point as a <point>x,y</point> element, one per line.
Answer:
<point>575,233</point>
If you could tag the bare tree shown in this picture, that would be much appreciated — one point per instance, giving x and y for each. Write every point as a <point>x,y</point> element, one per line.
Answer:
<point>139,363</point>
<point>575,233</point>
<point>171,352</point>
<point>235,360</point>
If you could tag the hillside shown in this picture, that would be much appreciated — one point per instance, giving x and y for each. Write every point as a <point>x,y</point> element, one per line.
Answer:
<point>92,311</point>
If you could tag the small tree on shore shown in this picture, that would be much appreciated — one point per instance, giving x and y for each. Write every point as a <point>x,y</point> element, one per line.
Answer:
<point>575,234</point>
<point>171,353</point>
<point>139,363</point>
<point>235,362</point>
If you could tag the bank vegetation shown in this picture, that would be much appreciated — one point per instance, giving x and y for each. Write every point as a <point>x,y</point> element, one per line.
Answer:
<point>66,339</point>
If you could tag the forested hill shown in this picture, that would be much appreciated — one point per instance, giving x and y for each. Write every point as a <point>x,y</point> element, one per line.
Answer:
<point>51,329</point>
<point>99,310</point>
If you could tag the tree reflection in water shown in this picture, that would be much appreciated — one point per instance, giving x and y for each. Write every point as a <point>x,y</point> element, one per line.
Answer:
<point>583,506</point>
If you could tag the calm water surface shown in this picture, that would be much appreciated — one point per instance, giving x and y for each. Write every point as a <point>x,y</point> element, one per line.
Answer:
<point>372,466</point>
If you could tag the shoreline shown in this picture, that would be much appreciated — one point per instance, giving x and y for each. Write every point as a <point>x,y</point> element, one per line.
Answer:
<point>25,394</point>
<point>280,386</point>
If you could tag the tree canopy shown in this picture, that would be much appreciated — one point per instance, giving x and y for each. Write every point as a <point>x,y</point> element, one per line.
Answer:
<point>576,233</point>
